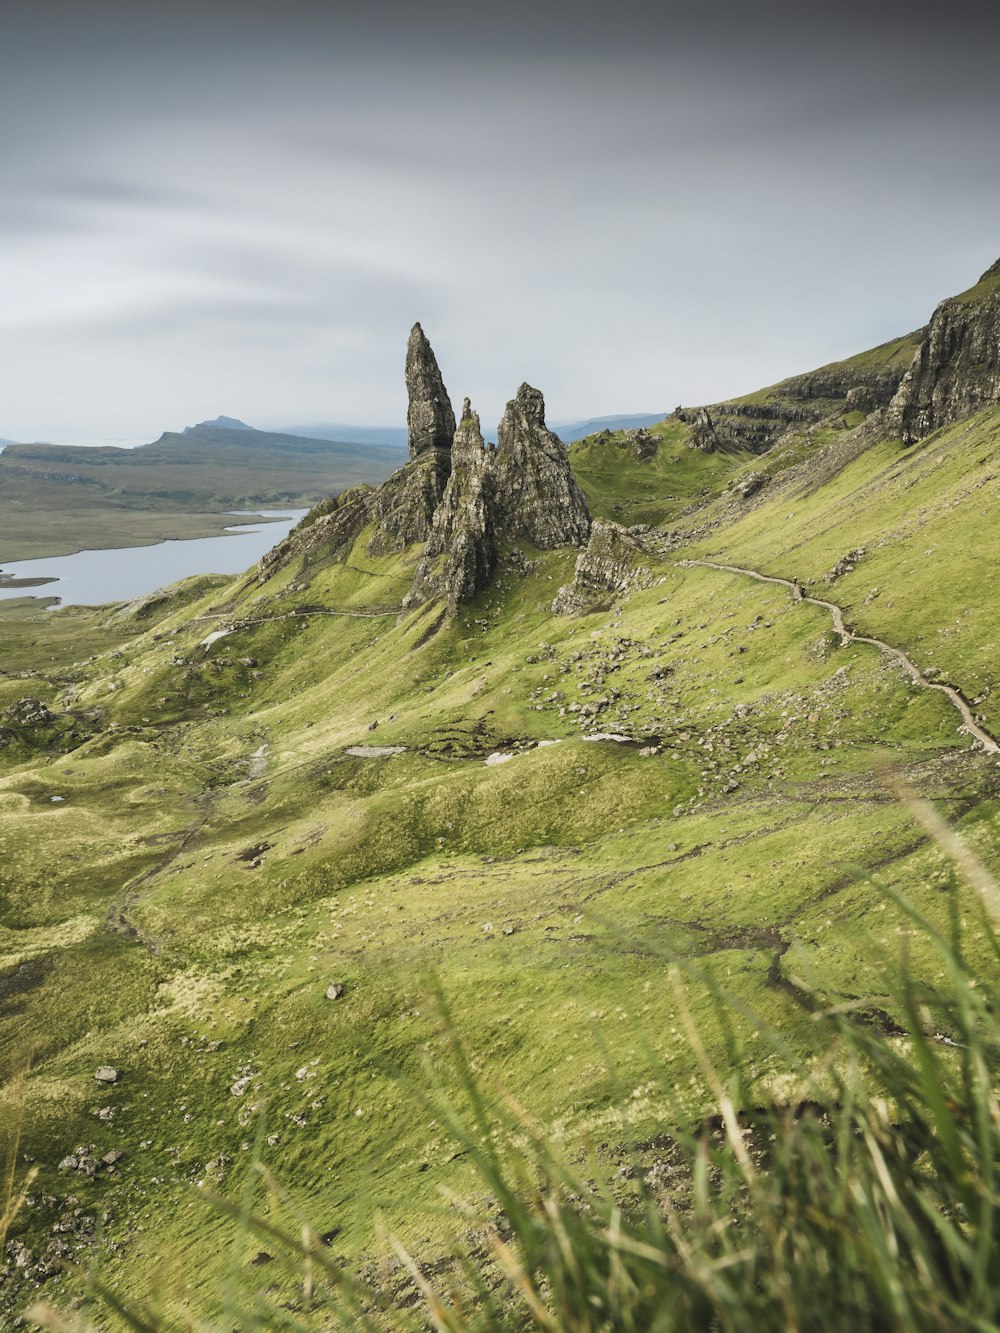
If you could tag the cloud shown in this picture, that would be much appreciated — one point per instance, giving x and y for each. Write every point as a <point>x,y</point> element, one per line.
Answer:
<point>245,207</point>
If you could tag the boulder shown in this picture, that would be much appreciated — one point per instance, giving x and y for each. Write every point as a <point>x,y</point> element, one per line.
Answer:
<point>29,713</point>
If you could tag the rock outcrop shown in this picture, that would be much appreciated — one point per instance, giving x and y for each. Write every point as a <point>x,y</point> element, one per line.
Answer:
<point>430,419</point>
<point>536,494</point>
<point>404,506</point>
<point>468,501</point>
<point>956,370</point>
<point>461,552</point>
<point>863,383</point>
<point>610,565</point>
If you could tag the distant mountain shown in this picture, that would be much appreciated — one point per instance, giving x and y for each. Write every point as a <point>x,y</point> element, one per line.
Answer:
<point>577,430</point>
<point>392,436</point>
<point>225,423</point>
<point>208,468</point>
<point>397,435</point>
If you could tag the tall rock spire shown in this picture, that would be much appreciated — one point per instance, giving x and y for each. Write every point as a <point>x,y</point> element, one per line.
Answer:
<point>462,534</point>
<point>429,418</point>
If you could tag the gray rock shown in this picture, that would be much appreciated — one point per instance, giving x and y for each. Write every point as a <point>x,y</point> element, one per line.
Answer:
<point>610,565</point>
<point>461,554</point>
<point>535,493</point>
<point>335,990</point>
<point>29,713</point>
<point>107,1074</point>
<point>956,370</point>
<point>522,489</point>
<point>430,419</point>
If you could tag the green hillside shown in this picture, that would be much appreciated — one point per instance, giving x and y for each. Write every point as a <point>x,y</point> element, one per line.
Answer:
<point>55,499</point>
<point>527,813</point>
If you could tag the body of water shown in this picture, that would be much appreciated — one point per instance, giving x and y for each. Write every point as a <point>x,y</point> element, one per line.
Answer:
<point>91,578</point>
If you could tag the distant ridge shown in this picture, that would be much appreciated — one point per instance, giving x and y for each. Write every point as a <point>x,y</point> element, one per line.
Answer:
<point>570,431</point>
<point>221,423</point>
<point>395,436</point>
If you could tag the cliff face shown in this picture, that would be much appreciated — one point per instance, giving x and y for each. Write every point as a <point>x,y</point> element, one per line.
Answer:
<point>466,500</point>
<point>535,493</point>
<point>862,383</point>
<point>956,371</point>
<point>463,527</point>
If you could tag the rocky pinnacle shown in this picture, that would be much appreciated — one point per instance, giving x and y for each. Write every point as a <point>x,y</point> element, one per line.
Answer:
<point>535,493</point>
<point>429,418</point>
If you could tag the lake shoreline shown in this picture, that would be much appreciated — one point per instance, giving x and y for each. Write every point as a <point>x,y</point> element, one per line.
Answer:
<point>106,575</point>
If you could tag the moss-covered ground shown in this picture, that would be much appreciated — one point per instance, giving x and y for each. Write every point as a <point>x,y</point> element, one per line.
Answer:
<point>191,856</point>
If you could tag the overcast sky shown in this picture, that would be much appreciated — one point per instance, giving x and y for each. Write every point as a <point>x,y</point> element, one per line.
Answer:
<point>216,207</point>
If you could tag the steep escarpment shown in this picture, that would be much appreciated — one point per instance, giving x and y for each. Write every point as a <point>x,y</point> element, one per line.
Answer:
<point>828,395</point>
<point>956,370</point>
<point>942,373</point>
<point>464,499</point>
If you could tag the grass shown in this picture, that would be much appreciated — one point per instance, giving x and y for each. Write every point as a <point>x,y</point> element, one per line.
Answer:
<point>57,499</point>
<point>216,859</point>
<point>852,1186</point>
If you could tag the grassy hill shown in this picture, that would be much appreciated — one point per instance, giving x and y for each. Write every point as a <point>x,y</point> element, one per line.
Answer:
<point>532,816</point>
<point>55,499</point>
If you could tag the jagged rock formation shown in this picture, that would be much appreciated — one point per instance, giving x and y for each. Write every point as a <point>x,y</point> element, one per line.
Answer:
<point>462,531</point>
<point>429,418</point>
<point>535,493</point>
<point>404,506</point>
<point>523,489</point>
<point>329,527</point>
<point>956,371</point>
<point>467,500</point>
<point>609,566</point>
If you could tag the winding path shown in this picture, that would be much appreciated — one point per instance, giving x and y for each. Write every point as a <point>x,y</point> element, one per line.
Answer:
<point>989,743</point>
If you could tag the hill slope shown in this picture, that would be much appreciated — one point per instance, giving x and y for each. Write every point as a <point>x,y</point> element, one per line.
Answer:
<point>57,498</point>
<point>243,837</point>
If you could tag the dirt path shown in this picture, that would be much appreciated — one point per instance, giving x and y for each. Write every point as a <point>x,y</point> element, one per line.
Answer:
<point>979,733</point>
<point>372,613</point>
<point>117,916</point>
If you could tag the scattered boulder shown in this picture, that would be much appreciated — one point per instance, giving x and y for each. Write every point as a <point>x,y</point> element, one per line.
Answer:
<point>29,713</point>
<point>335,990</point>
<point>751,484</point>
<point>107,1074</point>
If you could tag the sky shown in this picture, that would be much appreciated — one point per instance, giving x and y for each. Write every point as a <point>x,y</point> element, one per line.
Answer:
<point>242,208</point>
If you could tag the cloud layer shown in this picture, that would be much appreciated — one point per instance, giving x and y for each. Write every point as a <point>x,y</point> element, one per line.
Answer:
<point>244,210</point>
